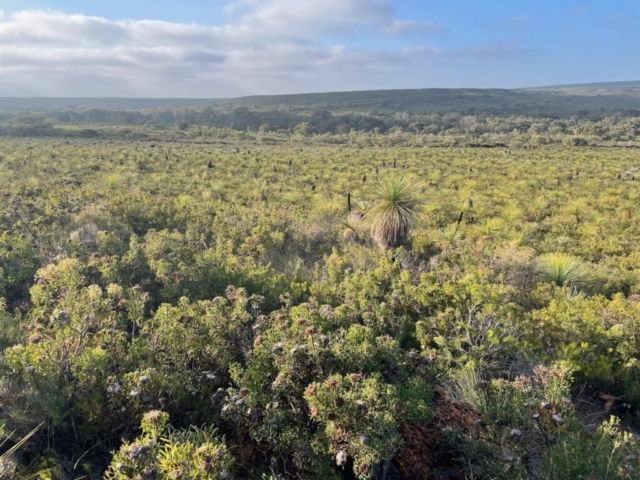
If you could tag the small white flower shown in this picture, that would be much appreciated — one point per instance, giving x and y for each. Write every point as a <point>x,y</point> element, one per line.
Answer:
<point>114,388</point>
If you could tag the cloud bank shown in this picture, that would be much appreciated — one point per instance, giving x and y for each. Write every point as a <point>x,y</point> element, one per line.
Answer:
<point>266,46</point>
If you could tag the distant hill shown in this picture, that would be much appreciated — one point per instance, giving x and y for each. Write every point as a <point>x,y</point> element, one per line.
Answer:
<point>537,102</point>
<point>588,100</point>
<point>112,103</point>
<point>594,86</point>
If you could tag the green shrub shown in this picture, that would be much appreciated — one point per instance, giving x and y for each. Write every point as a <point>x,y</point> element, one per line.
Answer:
<point>597,336</point>
<point>166,453</point>
<point>610,453</point>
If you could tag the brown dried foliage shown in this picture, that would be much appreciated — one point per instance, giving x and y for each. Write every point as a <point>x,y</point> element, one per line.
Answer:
<point>422,455</point>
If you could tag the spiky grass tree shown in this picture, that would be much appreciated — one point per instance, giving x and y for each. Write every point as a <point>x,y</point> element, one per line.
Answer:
<point>562,269</point>
<point>395,211</point>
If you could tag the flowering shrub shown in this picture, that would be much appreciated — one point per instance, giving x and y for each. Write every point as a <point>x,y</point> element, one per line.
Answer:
<point>165,453</point>
<point>292,378</point>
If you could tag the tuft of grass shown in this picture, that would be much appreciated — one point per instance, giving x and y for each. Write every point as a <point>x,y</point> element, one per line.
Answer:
<point>7,457</point>
<point>447,237</point>
<point>465,387</point>
<point>561,269</point>
<point>396,210</point>
<point>491,228</point>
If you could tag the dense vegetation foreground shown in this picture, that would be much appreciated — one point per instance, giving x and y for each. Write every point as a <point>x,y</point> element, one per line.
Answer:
<point>176,310</point>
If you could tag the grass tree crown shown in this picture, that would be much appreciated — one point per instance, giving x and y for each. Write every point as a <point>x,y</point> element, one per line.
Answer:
<point>396,209</point>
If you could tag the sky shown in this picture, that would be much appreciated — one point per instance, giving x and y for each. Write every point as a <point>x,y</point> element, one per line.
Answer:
<point>229,48</point>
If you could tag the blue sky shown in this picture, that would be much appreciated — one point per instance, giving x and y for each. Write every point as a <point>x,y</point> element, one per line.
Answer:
<point>237,47</point>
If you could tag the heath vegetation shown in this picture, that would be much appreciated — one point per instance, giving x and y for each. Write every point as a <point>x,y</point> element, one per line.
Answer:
<point>197,301</point>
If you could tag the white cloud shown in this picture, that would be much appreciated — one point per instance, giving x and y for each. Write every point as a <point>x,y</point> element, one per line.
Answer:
<point>317,16</point>
<point>267,46</point>
<point>490,51</point>
<point>405,26</point>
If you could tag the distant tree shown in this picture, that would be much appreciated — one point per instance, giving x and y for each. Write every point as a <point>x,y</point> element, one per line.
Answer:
<point>402,116</point>
<point>182,125</point>
<point>303,128</point>
<point>574,141</point>
<point>417,127</point>
<point>63,117</point>
<point>344,128</point>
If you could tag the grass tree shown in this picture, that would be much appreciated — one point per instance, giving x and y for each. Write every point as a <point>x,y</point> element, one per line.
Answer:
<point>562,269</point>
<point>396,209</point>
<point>353,226</point>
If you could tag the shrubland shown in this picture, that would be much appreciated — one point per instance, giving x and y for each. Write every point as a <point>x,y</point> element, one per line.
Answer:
<point>205,307</point>
<point>322,127</point>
